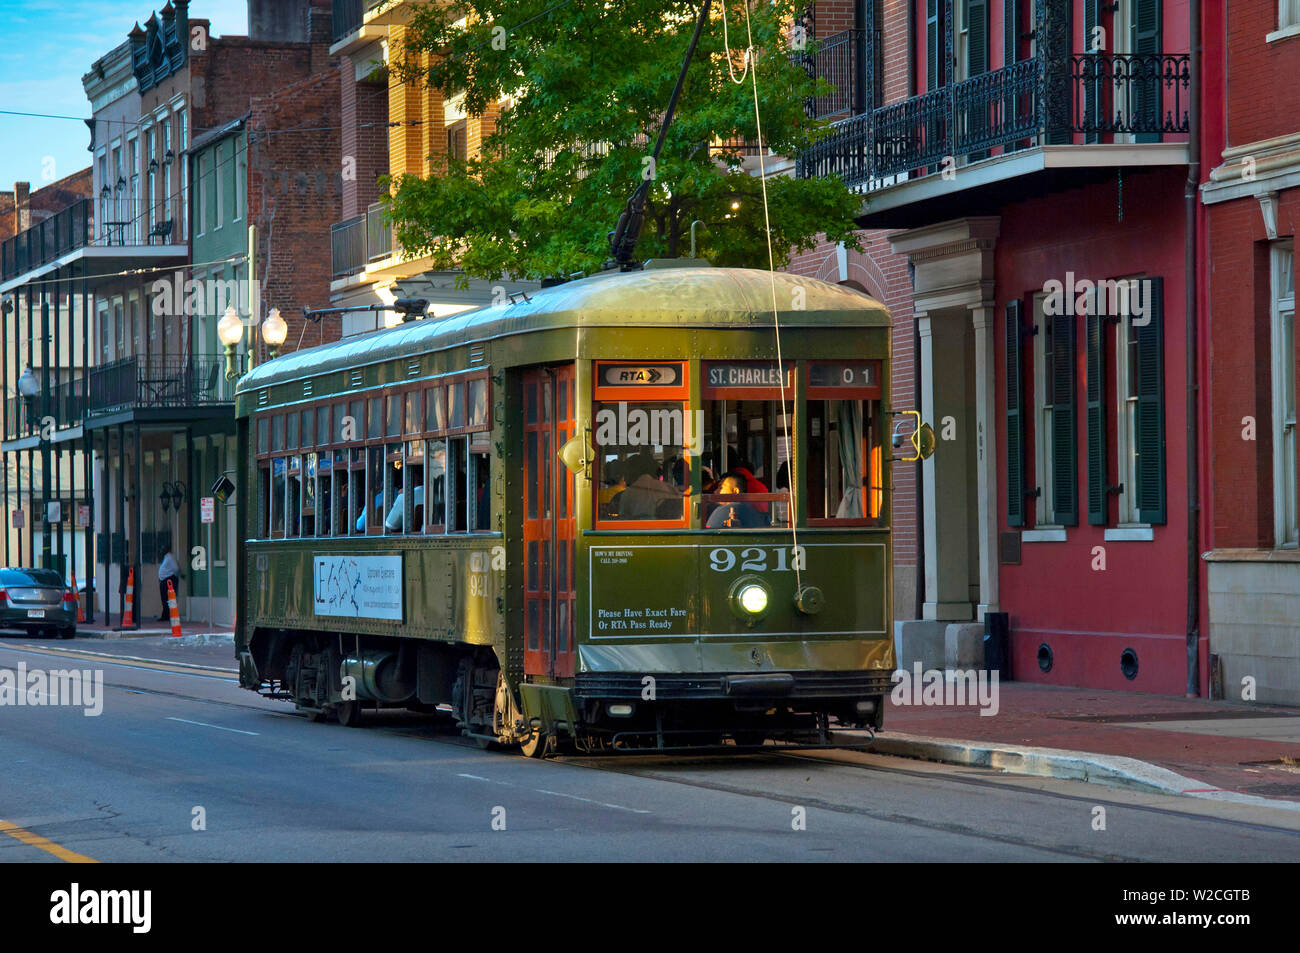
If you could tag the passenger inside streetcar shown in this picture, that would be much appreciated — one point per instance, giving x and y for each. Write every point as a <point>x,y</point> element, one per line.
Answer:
<point>738,515</point>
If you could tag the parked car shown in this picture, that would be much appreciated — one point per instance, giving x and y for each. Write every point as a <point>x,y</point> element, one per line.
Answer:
<point>39,601</point>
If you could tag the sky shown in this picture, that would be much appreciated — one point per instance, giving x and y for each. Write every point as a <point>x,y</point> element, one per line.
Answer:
<point>46,46</point>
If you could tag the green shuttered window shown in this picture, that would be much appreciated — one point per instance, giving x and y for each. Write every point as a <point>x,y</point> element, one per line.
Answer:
<point>1065,496</point>
<point>1150,428</point>
<point>1015,419</point>
<point>1096,417</point>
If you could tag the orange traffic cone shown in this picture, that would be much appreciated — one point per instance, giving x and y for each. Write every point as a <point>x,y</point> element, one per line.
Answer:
<point>175,613</point>
<point>81,613</point>
<point>128,617</point>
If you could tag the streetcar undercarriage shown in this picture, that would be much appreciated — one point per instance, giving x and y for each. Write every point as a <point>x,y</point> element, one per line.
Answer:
<point>334,675</point>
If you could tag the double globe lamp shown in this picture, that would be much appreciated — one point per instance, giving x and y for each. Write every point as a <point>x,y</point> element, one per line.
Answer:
<point>230,329</point>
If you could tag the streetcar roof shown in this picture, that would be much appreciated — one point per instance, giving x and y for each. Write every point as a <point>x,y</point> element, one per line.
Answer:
<point>665,297</point>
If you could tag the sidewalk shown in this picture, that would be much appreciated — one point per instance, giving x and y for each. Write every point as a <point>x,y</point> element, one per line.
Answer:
<point>148,628</point>
<point>1229,747</point>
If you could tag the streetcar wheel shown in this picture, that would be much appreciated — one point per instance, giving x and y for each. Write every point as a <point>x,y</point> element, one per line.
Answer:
<point>487,744</point>
<point>535,746</point>
<point>349,713</point>
<point>314,714</point>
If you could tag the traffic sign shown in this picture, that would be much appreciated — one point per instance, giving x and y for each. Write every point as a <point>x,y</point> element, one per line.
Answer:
<point>83,515</point>
<point>18,519</point>
<point>207,510</point>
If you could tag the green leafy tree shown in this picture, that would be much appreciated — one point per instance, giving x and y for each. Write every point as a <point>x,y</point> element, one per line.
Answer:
<point>587,83</point>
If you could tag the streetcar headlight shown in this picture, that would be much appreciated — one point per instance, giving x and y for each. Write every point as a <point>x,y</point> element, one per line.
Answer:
<point>753,598</point>
<point>750,599</point>
<point>620,711</point>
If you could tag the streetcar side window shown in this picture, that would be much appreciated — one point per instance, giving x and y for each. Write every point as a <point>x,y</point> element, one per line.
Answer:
<point>436,485</point>
<point>394,499</point>
<point>642,470</point>
<point>480,478</point>
<point>746,463</point>
<point>458,495</point>
<point>356,518</point>
<point>293,497</point>
<point>309,494</point>
<point>324,493</point>
<point>412,496</point>
<point>278,467</point>
<point>845,462</point>
<point>372,516</point>
<point>264,499</point>
<point>339,513</point>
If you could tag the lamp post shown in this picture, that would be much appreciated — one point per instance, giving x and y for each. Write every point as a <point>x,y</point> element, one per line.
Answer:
<point>29,388</point>
<point>274,331</point>
<point>230,329</point>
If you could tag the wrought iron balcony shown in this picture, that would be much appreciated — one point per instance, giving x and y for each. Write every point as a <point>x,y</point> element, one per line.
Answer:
<point>45,241</point>
<point>1145,96</point>
<point>135,382</point>
<point>849,61</point>
<point>66,404</point>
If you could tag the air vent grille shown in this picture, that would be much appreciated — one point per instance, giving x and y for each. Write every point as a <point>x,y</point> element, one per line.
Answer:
<point>413,369</point>
<point>478,354</point>
<point>263,397</point>
<point>306,389</point>
<point>354,378</point>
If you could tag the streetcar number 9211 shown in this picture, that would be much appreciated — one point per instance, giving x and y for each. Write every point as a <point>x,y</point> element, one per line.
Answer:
<point>754,559</point>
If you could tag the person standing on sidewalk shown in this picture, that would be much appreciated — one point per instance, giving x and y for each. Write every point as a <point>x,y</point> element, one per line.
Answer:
<point>168,571</point>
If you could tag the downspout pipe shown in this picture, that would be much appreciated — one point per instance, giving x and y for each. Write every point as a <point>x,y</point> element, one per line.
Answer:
<point>1191,200</point>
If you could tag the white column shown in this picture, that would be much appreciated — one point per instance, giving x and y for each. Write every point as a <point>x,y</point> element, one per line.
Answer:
<point>986,453</point>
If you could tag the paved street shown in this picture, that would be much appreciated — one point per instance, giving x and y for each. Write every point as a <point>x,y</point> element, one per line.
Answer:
<point>178,734</point>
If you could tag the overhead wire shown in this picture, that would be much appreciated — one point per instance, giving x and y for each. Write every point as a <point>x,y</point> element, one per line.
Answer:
<point>791,456</point>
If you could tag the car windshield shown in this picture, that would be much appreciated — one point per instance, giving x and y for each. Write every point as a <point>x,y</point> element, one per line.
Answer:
<point>30,577</point>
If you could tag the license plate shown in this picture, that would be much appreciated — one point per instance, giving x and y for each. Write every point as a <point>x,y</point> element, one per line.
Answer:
<point>36,613</point>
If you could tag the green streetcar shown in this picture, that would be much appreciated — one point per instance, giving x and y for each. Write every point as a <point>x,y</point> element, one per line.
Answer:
<point>608,517</point>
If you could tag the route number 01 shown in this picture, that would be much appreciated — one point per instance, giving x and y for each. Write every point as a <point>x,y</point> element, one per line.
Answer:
<point>754,559</point>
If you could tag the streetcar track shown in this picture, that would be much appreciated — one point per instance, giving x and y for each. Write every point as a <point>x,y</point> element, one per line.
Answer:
<point>431,731</point>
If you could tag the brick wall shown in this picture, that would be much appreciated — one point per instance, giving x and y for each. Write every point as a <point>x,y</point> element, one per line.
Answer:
<point>1240,381</point>
<point>364,138</point>
<point>885,277</point>
<point>294,196</point>
<point>1261,101</point>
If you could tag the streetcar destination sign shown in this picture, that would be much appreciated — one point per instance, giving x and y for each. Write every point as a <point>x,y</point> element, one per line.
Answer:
<point>644,375</point>
<point>744,375</point>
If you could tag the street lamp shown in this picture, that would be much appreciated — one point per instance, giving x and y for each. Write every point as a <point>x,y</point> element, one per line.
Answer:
<point>29,384</point>
<point>231,330</point>
<point>274,331</point>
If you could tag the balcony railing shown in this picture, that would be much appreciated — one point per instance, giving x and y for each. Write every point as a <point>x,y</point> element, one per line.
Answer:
<point>348,15</point>
<point>45,241</point>
<point>66,405</point>
<point>135,382</point>
<point>1143,95</point>
<point>357,241</point>
<point>848,61</point>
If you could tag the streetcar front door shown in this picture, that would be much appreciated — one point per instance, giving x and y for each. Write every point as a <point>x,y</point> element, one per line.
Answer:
<point>549,592</point>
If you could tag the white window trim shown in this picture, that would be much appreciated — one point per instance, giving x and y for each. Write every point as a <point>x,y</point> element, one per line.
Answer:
<point>1285,537</point>
<point>200,197</point>
<point>1130,534</point>
<point>1049,534</point>
<point>1044,517</point>
<point>1125,452</point>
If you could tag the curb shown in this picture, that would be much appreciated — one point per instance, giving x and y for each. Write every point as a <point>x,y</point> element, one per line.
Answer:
<point>1109,770</point>
<point>109,634</point>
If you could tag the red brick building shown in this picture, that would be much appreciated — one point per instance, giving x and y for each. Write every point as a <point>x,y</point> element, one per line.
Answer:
<point>1251,209</point>
<point>1020,153</point>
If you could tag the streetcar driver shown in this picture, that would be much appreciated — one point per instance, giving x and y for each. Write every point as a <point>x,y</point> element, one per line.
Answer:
<point>738,515</point>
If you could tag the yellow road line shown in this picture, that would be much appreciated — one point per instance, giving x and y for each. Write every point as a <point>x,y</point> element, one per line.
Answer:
<point>36,840</point>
